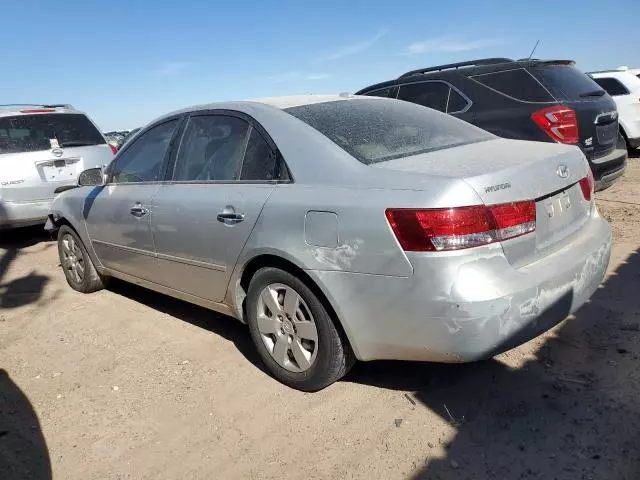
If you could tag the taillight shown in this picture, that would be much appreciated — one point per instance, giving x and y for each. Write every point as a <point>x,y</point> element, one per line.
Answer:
<point>441,229</point>
<point>587,185</point>
<point>559,122</point>
<point>114,150</point>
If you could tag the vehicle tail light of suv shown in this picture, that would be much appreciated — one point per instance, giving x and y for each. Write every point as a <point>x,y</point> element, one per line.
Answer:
<point>441,229</point>
<point>559,122</point>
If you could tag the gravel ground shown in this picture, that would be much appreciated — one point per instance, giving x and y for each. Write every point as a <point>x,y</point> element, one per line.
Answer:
<point>126,383</point>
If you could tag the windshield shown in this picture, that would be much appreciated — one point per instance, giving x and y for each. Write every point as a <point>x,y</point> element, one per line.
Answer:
<point>566,82</point>
<point>376,130</point>
<point>31,133</point>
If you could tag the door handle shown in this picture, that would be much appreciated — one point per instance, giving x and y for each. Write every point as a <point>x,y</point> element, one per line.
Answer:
<point>230,218</point>
<point>138,210</point>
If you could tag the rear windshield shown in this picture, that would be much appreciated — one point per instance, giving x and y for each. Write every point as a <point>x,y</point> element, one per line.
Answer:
<point>566,82</point>
<point>31,133</point>
<point>377,130</point>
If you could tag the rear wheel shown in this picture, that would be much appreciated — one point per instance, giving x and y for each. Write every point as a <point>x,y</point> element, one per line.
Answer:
<point>77,265</point>
<point>293,332</point>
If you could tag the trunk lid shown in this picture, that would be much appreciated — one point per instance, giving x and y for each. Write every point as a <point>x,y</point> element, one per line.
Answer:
<point>505,171</point>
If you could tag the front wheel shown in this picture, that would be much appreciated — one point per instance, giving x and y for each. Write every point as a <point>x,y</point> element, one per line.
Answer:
<point>293,332</point>
<point>78,268</point>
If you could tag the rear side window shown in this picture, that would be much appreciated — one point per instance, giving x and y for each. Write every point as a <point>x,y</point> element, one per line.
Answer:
<point>517,83</point>
<point>428,94</point>
<point>377,130</point>
<point>566,82</point>
<point>612,86</point>
<point>437,95</point>
<point>142,160</point>
<point>259,160</point>
<point>32,133</point>
<point>383,92</point>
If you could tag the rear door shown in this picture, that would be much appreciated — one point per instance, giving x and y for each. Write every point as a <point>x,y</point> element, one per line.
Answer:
<point>224,172</point>
<point>595,110</point>
<point>118,215</point>
<point>41,151</point>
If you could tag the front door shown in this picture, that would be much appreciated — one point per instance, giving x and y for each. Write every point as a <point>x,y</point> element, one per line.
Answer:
<point>201,220</point>
<point>118,215</point>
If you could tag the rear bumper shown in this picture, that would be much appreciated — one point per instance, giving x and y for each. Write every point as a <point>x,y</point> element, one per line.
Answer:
<point>467,306</point>
<point>22,214</point>
<point>608,168</point>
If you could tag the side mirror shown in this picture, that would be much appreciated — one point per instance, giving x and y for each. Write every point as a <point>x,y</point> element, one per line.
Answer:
<point>92,177</point>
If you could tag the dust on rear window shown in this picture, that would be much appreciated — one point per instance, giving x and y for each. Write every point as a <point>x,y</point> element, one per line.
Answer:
<point>32,133</point>
<point>566,82</point>
<point>378,130</point>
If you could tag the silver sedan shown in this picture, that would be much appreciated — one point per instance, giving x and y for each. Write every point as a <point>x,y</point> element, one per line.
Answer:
<point>342,228</point>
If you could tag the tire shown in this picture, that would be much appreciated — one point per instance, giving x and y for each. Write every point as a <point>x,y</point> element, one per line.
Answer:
<point>76,264</point>
<point>330,356</point>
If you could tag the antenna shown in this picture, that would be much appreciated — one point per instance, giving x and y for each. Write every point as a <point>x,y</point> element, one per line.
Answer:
<point>534,49</point>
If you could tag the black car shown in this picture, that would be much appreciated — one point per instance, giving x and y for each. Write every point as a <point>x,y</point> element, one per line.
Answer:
<point>540,100</point>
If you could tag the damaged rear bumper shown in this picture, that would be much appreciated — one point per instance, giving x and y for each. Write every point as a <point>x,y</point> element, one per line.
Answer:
<point>461,307</point>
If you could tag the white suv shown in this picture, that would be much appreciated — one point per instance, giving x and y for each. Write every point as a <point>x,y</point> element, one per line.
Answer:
<point>624,86</point>
<point>43,147</point>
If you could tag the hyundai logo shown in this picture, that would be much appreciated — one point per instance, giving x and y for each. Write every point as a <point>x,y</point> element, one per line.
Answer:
<point>56,152</point>
<point>562,171</point>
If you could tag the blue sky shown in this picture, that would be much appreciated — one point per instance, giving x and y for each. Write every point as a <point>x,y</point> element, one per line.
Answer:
<point>126,62</point>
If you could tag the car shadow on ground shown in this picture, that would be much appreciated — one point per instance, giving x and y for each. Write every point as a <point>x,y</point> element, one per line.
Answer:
<point>227,327</point>
<point>28,288</point>
<point>634,153</point>
<point>23,450</point>
<point>572,412</point>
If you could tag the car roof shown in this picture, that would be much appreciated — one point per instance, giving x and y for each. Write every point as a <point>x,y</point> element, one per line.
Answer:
<point>469,68</point>
<point>280,103</point>
<point>298,100</point>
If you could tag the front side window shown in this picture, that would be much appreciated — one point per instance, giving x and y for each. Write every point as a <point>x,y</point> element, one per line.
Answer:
<point>32,133</point>
<point>612,86</point>
<point>142,161</point>
<point>212,149</point>
<point>376,130</point>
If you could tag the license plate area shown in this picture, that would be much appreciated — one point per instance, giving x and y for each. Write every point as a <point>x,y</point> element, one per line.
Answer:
<point>559,215</point>
<point>607,134</point>
<point>58,170</point>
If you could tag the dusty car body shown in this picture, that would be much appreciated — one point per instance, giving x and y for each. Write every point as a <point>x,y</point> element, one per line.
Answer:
<point>412,234</point>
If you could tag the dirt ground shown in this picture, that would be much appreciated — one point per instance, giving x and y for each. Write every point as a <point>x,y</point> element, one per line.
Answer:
<point>126,383</point>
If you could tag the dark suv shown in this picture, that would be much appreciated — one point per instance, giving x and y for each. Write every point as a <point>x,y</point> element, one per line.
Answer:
<point>540,100</point>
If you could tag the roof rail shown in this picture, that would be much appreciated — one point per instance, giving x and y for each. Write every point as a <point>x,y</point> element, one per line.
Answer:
<point>449,66</point>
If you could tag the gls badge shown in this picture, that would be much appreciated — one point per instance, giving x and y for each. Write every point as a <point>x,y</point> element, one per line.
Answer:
<point>588,142</point>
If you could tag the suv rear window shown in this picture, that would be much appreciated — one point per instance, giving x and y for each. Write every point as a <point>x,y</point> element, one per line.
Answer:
<point>375,131</point>
<point>517,83</point>
<point>566,82</point>
<point>31,133</point>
